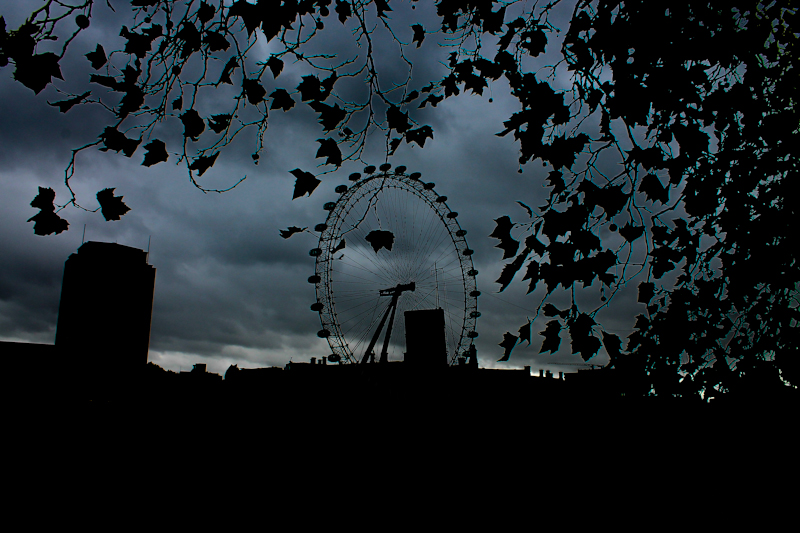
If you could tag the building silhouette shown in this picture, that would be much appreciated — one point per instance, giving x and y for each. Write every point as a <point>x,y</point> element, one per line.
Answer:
<point>106,307</point>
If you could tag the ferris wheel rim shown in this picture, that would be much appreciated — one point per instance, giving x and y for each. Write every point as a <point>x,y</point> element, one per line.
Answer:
<point>330,233</point>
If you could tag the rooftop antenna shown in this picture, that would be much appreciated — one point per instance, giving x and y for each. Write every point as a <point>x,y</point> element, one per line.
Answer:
<point>83,239</point>
<point>148,248</point>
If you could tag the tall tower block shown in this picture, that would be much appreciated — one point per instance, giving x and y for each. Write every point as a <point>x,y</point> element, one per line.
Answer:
<point>106,306</point>
<point>426,346</point>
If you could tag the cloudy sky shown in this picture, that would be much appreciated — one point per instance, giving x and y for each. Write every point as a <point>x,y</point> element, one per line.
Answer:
<point>229,289</point>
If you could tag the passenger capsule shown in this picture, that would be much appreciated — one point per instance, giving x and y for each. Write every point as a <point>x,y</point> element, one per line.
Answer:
<point>314,279</point>
<point>452,214</point>
<point>400,170</point>
<point>472,273</point>
<point>323,333</point>
<point>369,170</point>
<point>320,227</point>
<point>475,294</point>
<point>429,186</point>
<point>461,233</point>
<point>341,189</point>
<point>384,167</point>
<point>415,175</point>
<point>329,206</point>
<point>317,306</point>
<point>355,176</point>
<point>314,252</point>
<point>468,252</point>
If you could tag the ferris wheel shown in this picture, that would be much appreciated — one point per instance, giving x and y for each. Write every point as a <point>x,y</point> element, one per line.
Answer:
<point>390,244</point>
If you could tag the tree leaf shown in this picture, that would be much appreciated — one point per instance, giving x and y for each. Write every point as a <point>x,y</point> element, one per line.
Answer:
<point>97,58</point>
<point>328,148</point>
<point>502,231</point>
<point>343,10</point>
<point>380,239</point>
<point>203,163</point>
<point>329,116</point>
<point>509,270</point>
<point>281,100</point>
<point>156,153</point>
<point>219,123</point>
<point>396,119</point>
<point>305,183</point>
<point>552,337</point>
<point>112,207</point>
<point>509,341</point>
<point>193,124</point>
<point>419,135</point>
<point>117,141</point>
<point>291,230</point>
<point>37,71</point>
<point>254,91</point>
<point>525,333</point>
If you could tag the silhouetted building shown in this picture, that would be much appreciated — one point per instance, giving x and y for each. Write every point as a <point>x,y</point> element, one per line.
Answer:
<point>425,341</point>
<point>106,306</point>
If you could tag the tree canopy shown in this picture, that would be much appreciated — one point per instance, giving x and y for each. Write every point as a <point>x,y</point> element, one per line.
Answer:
<point>669,154</point>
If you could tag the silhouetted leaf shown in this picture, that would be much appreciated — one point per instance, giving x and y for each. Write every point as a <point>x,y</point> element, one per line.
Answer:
<point>45,199</point>
<point>249,13</point>
<point>281,100</point>
<point>117,141</point>
<point>112,207</point>
<point>525,333</point>
<point>511,269</point>
<point>225,76</point>
<point>206,12</point>
<point>305,184</point>
<point>509,341</point>
<point>97,58</point>
<point>254,91</point>
<point>396,119</point>
<point>177,104</point>
<point>291,230</point>
<point>343,10</point>
<point>47,222</point>
<point>216,42</point>
<point>382,6</point>
<point>532,273</point>
<point>218,123</point>
<point>37,71</point>
<point>552,337</point>
<point>193,124</point>
<point>583,342</point>
<point>329,116</point>
<point>419,135</point>
<point>502,231</point>
<point>380,239</point>
<point>339,246</point>
<point>310,88</point>
<point>156,153</point>
<point>66,105</point>
<point>646,291</point>
<point>275,65</point>
<point>328,148</point>
<point>203,163</point>
<point>419,34</point>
